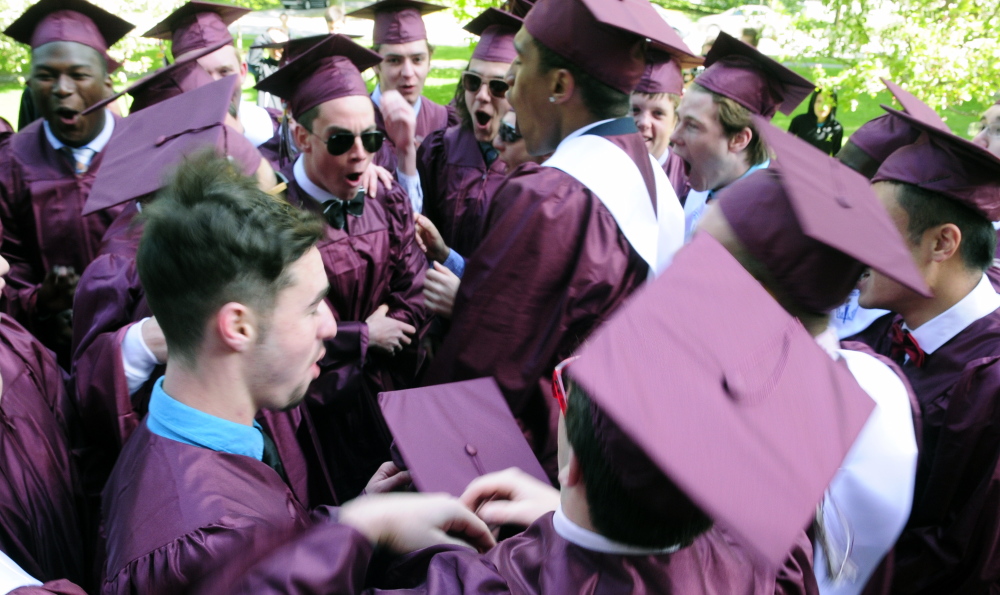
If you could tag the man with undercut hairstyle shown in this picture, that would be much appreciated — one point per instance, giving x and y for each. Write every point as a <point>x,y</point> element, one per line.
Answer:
<point>715,134</point>
<point>47,168</point>
<point>943,192</point>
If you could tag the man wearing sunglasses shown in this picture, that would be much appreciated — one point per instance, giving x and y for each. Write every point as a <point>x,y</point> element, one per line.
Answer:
<point>373,263</point>
<point>459,168</point>
<point>566,243</point>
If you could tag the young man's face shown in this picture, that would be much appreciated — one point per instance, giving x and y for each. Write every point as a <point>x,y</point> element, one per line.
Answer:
<point>284,360</point>
<point>989,136</point>
<point>529,97</point>
<point>485,109</point>
<point>877,290</point>
<point>339,175</point>
<point>67,78</point>
<point>224,62</point>
<point>404,68</point>
<point>701,141</point>
<point>656,119</point>
<point>511,153</point>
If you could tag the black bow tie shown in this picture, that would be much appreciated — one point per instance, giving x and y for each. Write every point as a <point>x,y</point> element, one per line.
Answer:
<point>336,210</point>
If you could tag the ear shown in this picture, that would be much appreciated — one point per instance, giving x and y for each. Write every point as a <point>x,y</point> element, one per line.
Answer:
<point>243,70</point>
<point>300,134</point>
<point>946,241</point>
<point>739,141</point>
<point>570,474</point>
<point>236,325</point>
<point>561,86</point>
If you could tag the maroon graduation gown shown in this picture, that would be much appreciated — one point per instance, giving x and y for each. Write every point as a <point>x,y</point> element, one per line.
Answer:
<point>676,171</point>
<point>432,117</point>
<point>552,267</point>
<point>271,149</point>
<point>173,511</point>
<point>374,260</point>
<point>109,299</point>
<point>332,559</point>
<point>40,204</point>
<point>952,541</point>
<point>43,525</point>
<point>458,186</point>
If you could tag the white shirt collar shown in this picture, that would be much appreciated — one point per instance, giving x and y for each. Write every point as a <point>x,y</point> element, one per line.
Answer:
<point>663,158</point>
<point>582,131</point>
<point>937,331</point>
<point>377,100</point>
<point>97,145</point>
<point>595,542</point>
<point>318,194</point>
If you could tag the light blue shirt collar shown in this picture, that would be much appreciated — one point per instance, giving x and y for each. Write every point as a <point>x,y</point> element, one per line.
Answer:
<point>377,100</point>
<point>97,145</point>
<point>172,419</point>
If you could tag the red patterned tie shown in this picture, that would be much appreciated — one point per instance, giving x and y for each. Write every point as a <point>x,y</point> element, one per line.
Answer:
<point>904,344</point>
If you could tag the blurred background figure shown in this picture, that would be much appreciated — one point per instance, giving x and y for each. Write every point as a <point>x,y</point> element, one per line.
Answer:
<point>335,18</point>
<point>818,125</point>
<point>750,36</point>
<point>988,136</point>
<point>262,62</point>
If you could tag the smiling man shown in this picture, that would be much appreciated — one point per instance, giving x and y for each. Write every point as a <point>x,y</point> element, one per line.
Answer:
<point>47,169</point>
<point>372,260</point>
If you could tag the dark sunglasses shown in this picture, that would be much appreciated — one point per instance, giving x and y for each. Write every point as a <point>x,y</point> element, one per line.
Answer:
<point>509,134</point>
<point>558,387</point>
<point>341,142</point>
<point>472,81</point>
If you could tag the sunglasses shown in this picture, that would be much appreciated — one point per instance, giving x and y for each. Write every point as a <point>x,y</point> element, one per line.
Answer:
<point>509,134</point>
<point>558,387</point>
<point>471,82</point>
<point>341,142</point>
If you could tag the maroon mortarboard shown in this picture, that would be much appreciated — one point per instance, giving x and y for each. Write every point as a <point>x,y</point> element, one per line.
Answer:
<point>518,8</point>
<point>155,139</point>
<point>880,137</point>
<point>162,84</point>
<point>397,21</point>
<point>946,164</point>
<point>605,37</point>
<point>815,224</point>
<point>196,25</point>
<point>496,30</point>
<point>69,20</point>
<point>727,394</point>
<point>327,70</point>
<point>450,434</point>
<point>662,75</point>
<point>740,72</point>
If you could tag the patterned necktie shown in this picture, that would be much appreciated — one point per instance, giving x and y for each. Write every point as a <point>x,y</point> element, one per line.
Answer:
<point>903,344</point>
<point>336,210</point>
<point>490,153</point>
<point>271,458</point>
<point>80,166</point>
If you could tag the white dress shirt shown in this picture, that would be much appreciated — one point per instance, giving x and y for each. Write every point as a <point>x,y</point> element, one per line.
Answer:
<point>937,331</point>
<point>596,542</point>
<point>85,153</point>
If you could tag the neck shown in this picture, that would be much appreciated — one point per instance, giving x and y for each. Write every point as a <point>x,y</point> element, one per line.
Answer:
<point>571,120</point>
<point>214,387</point>
<point>948,291</point>
<point>575,507</point>
<point>728,174</point>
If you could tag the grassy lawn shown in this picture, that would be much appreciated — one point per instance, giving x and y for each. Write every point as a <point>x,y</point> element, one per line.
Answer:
<point>449,61</point>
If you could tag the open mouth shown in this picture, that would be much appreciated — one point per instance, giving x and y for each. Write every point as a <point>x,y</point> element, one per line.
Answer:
<point>483,119</point>
<point>67,116</point>
<point>354,178</point>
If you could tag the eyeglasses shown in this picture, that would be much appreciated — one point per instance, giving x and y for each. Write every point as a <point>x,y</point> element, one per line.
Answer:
<point>472,81</point>
<point>558,387</point>
<point>341,142</point>
<point>508,134</point>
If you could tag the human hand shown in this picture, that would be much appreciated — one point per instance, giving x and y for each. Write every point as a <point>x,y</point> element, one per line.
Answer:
<point>388,478</point>
<point>372,176</point>
<point>57,290</point>
<point>403,523</point>
<point>429,238</point>
<point>400,119</point>
<point>440,288</point>
<point>388,334</point>
<point>510,496</point>
<point>152,336</point>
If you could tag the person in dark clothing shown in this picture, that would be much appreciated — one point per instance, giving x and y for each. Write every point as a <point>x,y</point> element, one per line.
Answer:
<point>819,126</point>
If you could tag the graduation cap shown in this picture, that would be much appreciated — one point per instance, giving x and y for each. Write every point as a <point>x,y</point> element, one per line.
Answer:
<point>740,72</point>
<point>605,37</point>
<point>196,25</point>
<point>873,142</point>
<point>325,71</point>
<point>815,224</point>
<point>79,21</point>
<point>726,394</point>
<point>662,75</point>
<point>397,21</point>
<point>946,164</point>
<point>162,84</point>
<point>294,47</point>
<point>450,434</point>
<point>156,139</point>
<point>496,30</point>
